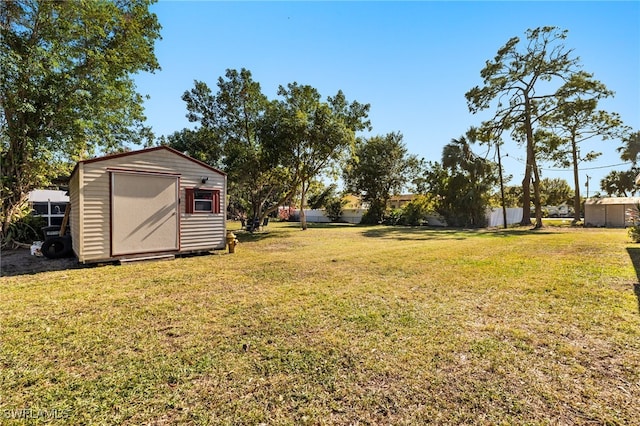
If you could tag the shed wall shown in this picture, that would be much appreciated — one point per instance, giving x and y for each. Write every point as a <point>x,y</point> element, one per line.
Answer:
<point>74,214</point>
<point>197,231</point>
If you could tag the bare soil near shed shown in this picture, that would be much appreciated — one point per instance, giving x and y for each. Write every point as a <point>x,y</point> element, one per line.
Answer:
<point>20,261</point>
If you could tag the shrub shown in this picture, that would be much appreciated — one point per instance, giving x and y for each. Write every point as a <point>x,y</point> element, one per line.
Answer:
<point>634,233</point>
<point>24,230</point>
<point>333,208</point>
<point>392,217</point>
<point>633,217</point>
<point>416,212</point>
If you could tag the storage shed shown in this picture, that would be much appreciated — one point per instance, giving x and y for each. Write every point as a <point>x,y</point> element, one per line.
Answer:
<point>149,203</point>
<point>612,212</point>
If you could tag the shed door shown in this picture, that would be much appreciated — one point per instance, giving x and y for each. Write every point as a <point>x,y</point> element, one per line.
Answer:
<point>144,213</point>
<point>595,215</point>
<point>615,216</point>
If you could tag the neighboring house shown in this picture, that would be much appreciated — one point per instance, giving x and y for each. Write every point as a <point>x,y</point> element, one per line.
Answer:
<point>354,202</point>
<point>611,212</point>
<point>149,203</point>
<point>399,201</point>
<point>49,204</point>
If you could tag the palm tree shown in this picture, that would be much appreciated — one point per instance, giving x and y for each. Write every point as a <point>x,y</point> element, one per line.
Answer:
<point>471,179</point>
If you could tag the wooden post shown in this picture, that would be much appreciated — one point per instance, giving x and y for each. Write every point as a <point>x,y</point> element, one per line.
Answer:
<point>65,220</point>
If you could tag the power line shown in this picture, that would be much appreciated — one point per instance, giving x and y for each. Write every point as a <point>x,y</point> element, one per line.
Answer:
<point>519,160</point>
<point>606,167</point>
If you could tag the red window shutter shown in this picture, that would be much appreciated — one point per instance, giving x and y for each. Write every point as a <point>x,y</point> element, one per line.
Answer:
<point>216,201</point>
<point>188,202</point>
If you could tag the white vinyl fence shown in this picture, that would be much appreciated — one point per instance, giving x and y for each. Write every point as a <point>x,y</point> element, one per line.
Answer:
<point>319,216</point>
<point>495,216</point>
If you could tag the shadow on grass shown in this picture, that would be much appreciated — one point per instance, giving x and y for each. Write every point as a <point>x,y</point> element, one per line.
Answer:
<point>414,233</point>
<point>21,262</point>
<point>282,230</point>
<point>634,254</point>
<point>402,233</point>
<point>264,233</point>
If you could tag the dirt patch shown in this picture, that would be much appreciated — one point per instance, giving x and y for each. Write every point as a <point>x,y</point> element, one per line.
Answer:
<point>21,262</point>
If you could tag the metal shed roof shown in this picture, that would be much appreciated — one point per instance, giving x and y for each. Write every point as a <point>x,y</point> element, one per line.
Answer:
<point>612,200</point>
<point>44,195</point>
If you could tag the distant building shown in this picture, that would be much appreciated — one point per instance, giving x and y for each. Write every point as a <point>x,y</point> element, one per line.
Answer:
<point>353,202</point>
<point>610,212</point>
<point>49,204</point>
<point>399,201</point>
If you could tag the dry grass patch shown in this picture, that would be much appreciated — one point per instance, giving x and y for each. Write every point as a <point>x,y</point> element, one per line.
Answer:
<point>336,325</point>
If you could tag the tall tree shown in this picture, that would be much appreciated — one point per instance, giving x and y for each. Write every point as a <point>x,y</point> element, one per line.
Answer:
<point>240,120</point>
<point>380,167</point>
<point>575,120</point>
<point>66,88</point>
<point>316,134</point>
<point>524,84</point>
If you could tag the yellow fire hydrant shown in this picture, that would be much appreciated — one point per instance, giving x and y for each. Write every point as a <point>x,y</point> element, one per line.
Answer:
<point>231,242</point>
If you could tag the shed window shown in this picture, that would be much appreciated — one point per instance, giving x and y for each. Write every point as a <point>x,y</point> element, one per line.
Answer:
<point>202,201</point>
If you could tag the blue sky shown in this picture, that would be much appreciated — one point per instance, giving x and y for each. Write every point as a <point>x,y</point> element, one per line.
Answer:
<point>412,61</point>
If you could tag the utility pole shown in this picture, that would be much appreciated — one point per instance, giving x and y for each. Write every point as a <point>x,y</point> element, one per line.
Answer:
<point>587,185</point>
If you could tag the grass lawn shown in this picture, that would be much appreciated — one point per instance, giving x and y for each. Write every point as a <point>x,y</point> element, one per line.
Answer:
<point>335,325</point>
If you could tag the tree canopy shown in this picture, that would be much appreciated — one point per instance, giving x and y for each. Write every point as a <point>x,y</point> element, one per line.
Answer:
<point>556,191</point>
<point>462,184</point>
<point>316,135</point>
<point>380,167</point>
<point>271,149</point>
<point>237,124</point>
<point>622,183</point>
<point>66,87</point>
<point>630,149</point>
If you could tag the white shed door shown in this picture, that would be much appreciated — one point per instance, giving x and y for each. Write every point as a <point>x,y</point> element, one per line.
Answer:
<point>144,213</point>
<point>615,215</point>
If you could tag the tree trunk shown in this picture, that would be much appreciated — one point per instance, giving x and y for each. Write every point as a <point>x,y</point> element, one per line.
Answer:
<point>531,167</point>
<point>504,208</point>
<point>15,198</point>
<point>576,182</point>
<point>254,224</point>
<point>536,195</point>
<point>526,194</point>
<point>303,199</point>
<point>536,181</point>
